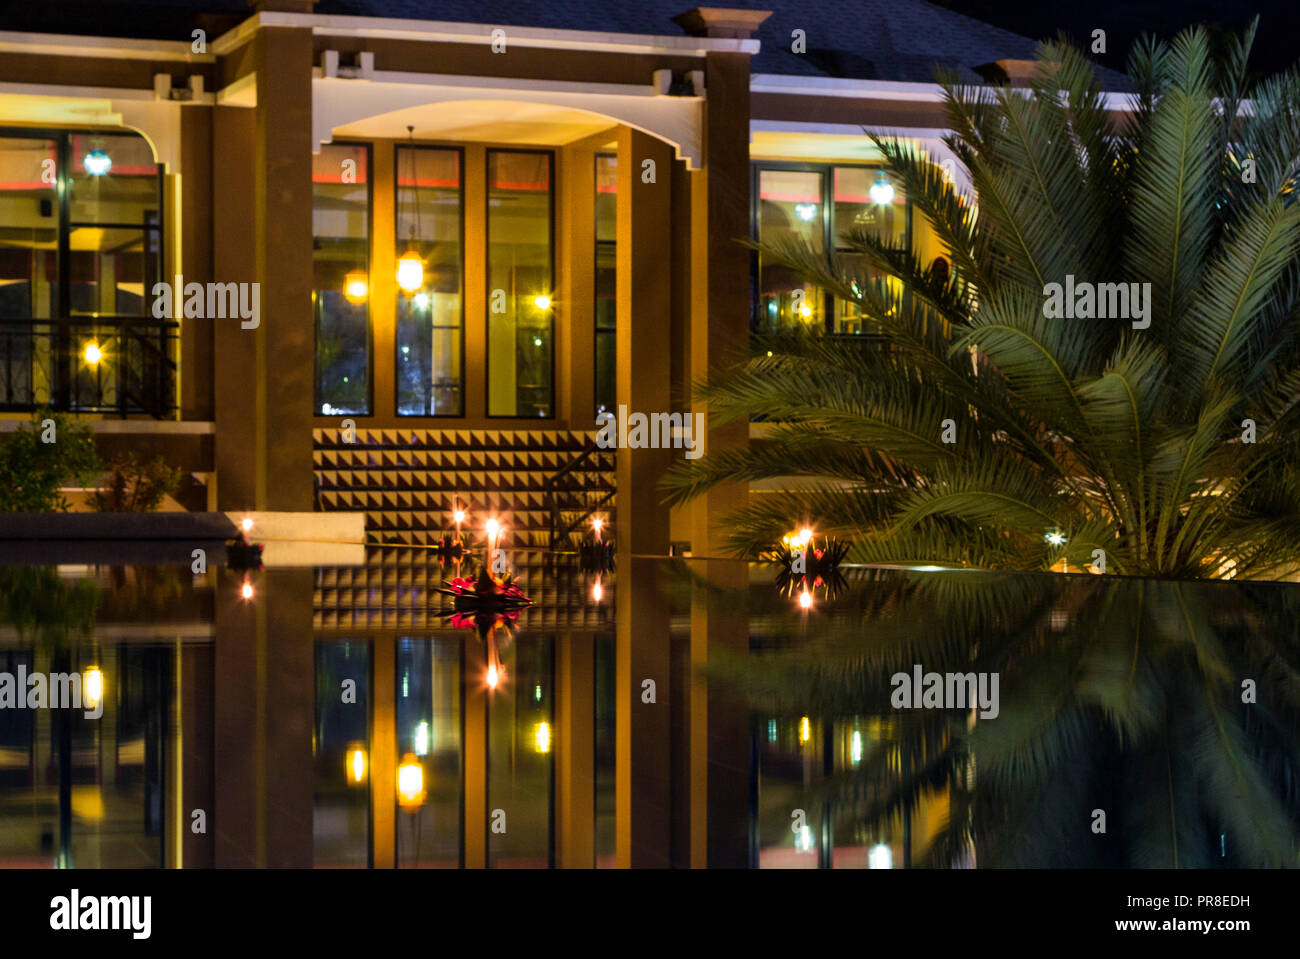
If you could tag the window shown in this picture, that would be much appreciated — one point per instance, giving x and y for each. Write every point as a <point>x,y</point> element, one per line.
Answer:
<point>341,284</point>
<point>521,753</point>
<point>430,319</point>
<point>791,203</point>
<point>520,275</point>
<point>606,282</point>
<point>430,715</point>
<point>341,757</point>
<point>80,252</point>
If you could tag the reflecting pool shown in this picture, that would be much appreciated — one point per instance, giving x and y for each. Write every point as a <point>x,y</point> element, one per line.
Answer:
<point>696,713</point>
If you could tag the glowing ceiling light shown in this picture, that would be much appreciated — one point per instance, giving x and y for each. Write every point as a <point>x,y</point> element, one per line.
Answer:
<point>805,211</point>
<point>421,300</point>
<point>542,302</point>
<point>882,191</point>
<point>543,737</point>
<point>410,272</point>
<point>93,353</point>
<point>97,162</point>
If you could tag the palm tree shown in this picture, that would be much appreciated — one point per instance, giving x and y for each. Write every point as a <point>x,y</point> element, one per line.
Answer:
<point>977,431</point>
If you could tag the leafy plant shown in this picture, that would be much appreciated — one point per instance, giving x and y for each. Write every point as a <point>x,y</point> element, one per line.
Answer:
<point>135,488</point>
<point>32,470</point>
<point>1174,449</point>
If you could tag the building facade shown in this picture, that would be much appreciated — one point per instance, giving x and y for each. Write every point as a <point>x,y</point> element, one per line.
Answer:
<point>327,259</point>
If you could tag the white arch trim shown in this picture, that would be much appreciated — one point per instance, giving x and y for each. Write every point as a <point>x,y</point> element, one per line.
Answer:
<point>337,102</point>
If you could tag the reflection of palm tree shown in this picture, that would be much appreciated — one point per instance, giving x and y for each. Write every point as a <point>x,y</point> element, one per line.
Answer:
<point>1116,694</point>
<point>977,426</point>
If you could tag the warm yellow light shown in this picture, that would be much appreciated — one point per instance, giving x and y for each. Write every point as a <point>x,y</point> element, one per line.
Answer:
<point>92,687</point>
<point>246,590</point>
<point>410,272</point>
<point>805,600</point>
<point>356,286</point>
<point>542,302</point>
<point>247,524</point>
<point>493,677</point>
<point>805,311</point>
<point>410,781</point>
<point>493,528</point>
<point>543,738</point>
<point>93,353</point>
<point>805,534</point>
<point>597,592</point>
<point>805,730</point>
<point>356,764</point>
<point>597,524</point>
<point>458,516</point>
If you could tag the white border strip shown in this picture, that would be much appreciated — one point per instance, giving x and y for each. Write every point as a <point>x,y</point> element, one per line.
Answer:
<point>56,44</point>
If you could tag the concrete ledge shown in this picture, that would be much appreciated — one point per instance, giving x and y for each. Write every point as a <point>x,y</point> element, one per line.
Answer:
<point>303,527</point>
<point>116,526</point>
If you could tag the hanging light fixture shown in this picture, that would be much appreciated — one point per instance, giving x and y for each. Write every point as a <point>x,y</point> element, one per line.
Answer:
<point>410,268</point>
<point>97,162</point>
<point>355,287</point>
<point>882,191</point>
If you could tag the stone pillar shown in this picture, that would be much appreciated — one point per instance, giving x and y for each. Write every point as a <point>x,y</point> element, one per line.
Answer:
<point>643,751</point>
<point>265,376</point>
<point>575,753</point>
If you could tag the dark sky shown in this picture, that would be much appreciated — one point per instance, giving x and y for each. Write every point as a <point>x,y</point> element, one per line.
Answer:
<point>1277,42</point>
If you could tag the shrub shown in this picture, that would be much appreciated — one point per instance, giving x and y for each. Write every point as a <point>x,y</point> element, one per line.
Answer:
<point>135,487</point>
<point>32,469</point>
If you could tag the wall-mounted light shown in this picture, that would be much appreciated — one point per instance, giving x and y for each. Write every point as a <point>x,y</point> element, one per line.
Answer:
<point>97,162</point>
<point>882,191</point>
<point>542,302</point>
<point>93,354</point>
<point>356,286</point>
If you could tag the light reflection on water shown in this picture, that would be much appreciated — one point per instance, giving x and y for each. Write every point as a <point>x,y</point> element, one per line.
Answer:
<point>289,720</point>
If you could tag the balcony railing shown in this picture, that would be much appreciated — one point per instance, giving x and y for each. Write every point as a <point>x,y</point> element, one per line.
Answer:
<point>122,365</point>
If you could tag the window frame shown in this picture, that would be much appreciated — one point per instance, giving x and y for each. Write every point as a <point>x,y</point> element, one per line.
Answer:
<point>487,284</point>
<point>63,319</point>
<point>826,169</point>
<point>461,176</point>
<point>595,284</point>
<point>369,147</point>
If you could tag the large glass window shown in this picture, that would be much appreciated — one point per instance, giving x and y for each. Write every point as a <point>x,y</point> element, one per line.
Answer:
<point>520,274</point>
<point>430,714</point>
<point>77,270</point>
<point>606,282</point>
<point>341,752</point>
<point>341,287</point>
<point>521,737</point>
<point>819,204</point>
<point>430,316</point>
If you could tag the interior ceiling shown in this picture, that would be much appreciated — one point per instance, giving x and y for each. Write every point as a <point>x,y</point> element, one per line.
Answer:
<point>500,121</point>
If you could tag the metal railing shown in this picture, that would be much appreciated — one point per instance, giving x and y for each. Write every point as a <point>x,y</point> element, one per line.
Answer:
<point>570,492</point>
<point>122,365</point>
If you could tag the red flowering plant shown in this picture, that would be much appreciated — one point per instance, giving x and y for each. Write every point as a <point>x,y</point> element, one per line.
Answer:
<point>485,603</point>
